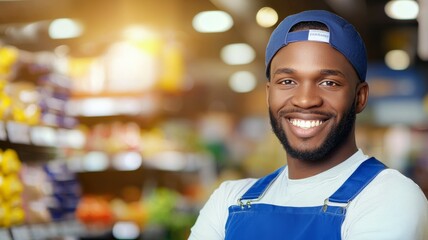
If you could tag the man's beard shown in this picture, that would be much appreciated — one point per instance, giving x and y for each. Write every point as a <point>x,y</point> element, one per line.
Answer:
<point>336,137</point>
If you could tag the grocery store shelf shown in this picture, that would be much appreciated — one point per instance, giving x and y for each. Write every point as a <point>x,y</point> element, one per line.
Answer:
<point>29,152</point>
<point>53,230</point>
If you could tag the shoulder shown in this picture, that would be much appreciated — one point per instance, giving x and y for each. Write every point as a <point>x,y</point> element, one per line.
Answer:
<point>397,189</point>
<point>392,183</point>
<point>232,190</point>
<point>227,194</point>
<point>391,187</point>
<point>212,218</point>
<point>392,205</point>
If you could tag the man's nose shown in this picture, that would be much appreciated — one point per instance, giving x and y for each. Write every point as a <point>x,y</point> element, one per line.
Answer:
<point>306,96</point>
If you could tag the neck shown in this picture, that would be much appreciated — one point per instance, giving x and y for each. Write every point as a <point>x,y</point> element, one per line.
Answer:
<point>298,168</point>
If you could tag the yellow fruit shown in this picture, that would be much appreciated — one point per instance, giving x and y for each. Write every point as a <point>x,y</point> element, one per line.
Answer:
<point>11,186</point>
<point>8,56</point>
<point>4,215</point>
<point>17,216</point>
<point>9,162</point>
<point>5,102</point>
<point>18,114</point>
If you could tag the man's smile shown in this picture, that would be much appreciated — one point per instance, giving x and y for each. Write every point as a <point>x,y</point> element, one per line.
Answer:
<point>305,128</point>
<point>305,124</point>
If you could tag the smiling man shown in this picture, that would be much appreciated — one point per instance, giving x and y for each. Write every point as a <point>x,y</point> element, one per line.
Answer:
<point>316,67</point>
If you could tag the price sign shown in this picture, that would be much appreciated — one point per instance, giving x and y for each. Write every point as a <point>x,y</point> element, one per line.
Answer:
<point>3,135</point>
<point>78,228</point>
<point>4,234</point>
<point>21,233</point>
<point>38,232</point>
<point>18,132</point>
<point>43,136</point>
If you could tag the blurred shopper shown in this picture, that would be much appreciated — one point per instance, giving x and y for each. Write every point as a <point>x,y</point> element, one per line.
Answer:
<point>316,67</point>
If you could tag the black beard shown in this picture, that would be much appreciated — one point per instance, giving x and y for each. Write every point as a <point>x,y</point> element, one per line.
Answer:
<point>337,136</point>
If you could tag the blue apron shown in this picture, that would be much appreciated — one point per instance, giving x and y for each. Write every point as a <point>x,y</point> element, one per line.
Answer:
<point>265,221</point>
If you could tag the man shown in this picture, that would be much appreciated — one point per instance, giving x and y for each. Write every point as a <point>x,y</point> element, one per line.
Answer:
<point>316,66</point>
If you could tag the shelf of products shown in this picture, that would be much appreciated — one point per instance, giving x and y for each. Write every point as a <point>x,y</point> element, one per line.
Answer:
<point>73,179</point>
<point>56,185</point>
<point>52,230</point>
<point>35,197</point>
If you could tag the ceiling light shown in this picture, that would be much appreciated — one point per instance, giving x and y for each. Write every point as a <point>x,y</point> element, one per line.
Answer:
<point>402,9</point>
<point>63,28</point>
<point>397,59</point>
<point>237,53</point>
<point>242,82</point>
<point>267,17</point>
<point>212,21</point>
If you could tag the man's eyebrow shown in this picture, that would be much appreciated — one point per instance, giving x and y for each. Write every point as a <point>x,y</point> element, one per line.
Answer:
<point>284,70</point>
<point>331,72</point>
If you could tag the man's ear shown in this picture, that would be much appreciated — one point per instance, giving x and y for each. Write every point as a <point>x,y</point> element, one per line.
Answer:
<point>362,96</point>
<point>267,93</point>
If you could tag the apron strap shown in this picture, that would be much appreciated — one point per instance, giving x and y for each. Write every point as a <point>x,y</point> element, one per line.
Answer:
<point>361,177</point>
<point>258,188</point>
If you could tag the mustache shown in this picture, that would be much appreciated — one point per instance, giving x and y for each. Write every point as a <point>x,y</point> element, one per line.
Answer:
<point>284,112</point>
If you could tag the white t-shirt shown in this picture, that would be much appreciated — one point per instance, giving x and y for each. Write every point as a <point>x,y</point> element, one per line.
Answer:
<point>391,207</point>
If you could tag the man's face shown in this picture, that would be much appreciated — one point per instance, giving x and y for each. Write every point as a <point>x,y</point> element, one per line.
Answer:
<point>313,97</point>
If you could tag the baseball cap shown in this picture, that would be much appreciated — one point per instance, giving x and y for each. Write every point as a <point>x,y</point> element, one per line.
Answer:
<point>341,35</point>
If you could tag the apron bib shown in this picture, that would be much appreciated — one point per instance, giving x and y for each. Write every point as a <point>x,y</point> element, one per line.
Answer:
<point>249,221</point>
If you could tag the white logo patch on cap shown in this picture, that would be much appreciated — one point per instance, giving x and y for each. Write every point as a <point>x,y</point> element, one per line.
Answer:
<point>319,36</point>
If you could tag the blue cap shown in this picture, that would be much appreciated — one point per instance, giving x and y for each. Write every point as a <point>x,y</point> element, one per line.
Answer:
<point>342,36</point>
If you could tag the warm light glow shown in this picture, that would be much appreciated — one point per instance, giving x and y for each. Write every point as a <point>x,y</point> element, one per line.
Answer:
<point>402,9</point>
<point>212,21</point>
<point>238,53</point>
<point>397,59</point>
<point>139,63</point>
<point>267,17</point>
<point>242,82</point>
<point>138,33</point>
<point>65,28</point>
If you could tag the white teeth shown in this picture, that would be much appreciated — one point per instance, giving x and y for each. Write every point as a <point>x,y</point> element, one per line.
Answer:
<point>305,123</point>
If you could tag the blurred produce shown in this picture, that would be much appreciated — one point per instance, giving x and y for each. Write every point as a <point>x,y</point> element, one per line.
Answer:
<point>37,188</point>
<point>65,196</point>
<point>162,209</point>
<point>169,209</point>
<point>11,188</point>
<point>95,211</point>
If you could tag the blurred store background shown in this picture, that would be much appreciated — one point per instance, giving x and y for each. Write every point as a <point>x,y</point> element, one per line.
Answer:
<point>119,118</point>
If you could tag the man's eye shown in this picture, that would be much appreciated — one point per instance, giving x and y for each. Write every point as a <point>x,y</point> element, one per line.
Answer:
<point>329,83</point>
<point>286,82</point>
